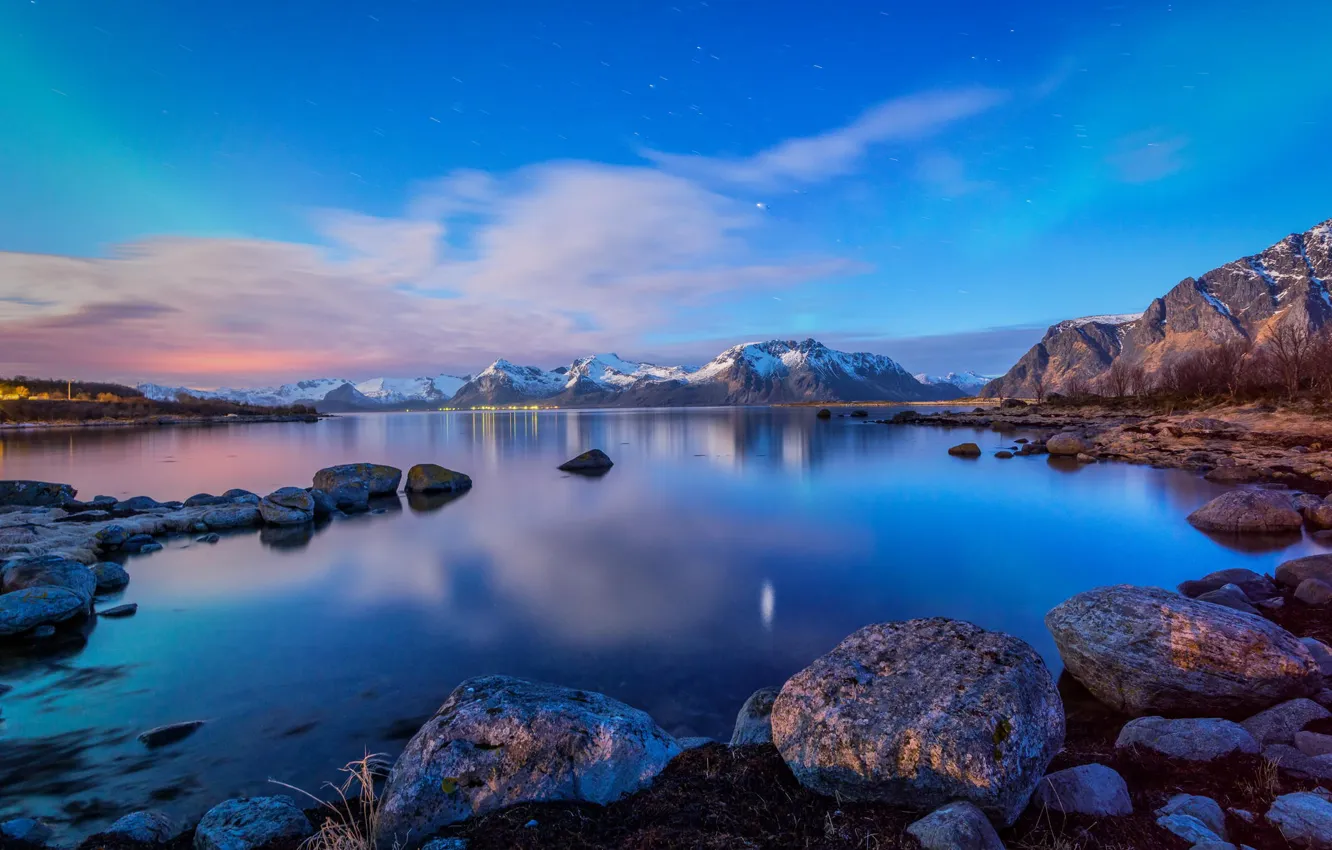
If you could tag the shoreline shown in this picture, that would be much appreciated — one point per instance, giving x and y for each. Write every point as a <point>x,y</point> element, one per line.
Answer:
<point>165,421</point>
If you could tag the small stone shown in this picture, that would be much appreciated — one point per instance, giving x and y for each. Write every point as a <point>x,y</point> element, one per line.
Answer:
<point>593,460</point>
<point>147,827</point>
<point>120,611</point>
<point>1205,809</point>
<point>1278,724</point>
<point>150,548</point>
<point>965,450</point>
<point>169,734</point>
<point>1188,828</point>
<point>1314,591</point>
<point>753,725</point>
<point>825,413</point>
<point>211,537</point>
<point>249,823</point>
<point>956,826</point>
<point>1088,789</point>
<point>1192,739</point>
<point>1003,455</point>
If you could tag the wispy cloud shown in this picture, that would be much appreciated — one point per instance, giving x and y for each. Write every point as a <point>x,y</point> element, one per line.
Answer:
<point>1147,157</point>
<point>838,152</point>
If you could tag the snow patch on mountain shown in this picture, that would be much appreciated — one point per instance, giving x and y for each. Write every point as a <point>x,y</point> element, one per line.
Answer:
<point>401,390</point>
<point>967,381</point>
<point>614,372</point>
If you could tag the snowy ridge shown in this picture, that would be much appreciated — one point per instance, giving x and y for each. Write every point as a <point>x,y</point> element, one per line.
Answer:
<point>400,390</point>
<point>968,381</point>
<point>613,372</point>
<point>302,391</point>
<point>779,357</point>
<point>1109,319</point>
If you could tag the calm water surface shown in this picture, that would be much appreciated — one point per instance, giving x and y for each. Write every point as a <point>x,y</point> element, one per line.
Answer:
<point>725,550</point>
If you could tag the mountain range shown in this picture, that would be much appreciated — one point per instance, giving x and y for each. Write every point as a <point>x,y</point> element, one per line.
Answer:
<point>1245,300</point>
<point>751,373</point>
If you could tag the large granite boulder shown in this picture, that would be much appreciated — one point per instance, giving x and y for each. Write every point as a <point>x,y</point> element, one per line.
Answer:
<point>1293,573</point>
<point>378,479</point>
<point>498,741</point>
<point>592,460</point>
<point>38,606</point>
<point>753,725</point>
<point>1088,789</point>
<point>287,506</point>
<point>955,826</point>
<point>921,713</point>
<point>1190,739</point>
<point>1303,818</point>
<point>1067,444</point>
<point>50,571</point>
<point>35,494</point>
<point>248,823</point>
<point>431,478</point>
<point>1248,512</point>
<point>1143,650</point>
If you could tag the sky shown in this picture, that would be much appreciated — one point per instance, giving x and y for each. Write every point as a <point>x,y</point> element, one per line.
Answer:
<point>255,192</point>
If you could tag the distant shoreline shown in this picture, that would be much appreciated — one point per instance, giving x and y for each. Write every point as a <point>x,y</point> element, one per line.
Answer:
<point>150,421</point>
<point>952,402</point>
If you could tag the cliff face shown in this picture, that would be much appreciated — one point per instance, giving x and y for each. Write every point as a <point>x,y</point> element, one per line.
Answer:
<point>1243,300</point>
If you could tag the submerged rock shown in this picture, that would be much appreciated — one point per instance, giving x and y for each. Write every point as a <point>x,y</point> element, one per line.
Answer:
<point>920,713</point>
<point>35,606</point>
<point>592,460</point>
<point>1088,789</point>
<point>430,478</point>
<point>109,576</point>
<point>753,725</point>
<point>1141,650</point>
<point>955,826</point>
<point>379,480</point>
<point>169,734</point>
<point>250,823</point>
<point>35,494</point>
<point>1248,512</point>
<point>1191,739</point>
<point>498,741</point>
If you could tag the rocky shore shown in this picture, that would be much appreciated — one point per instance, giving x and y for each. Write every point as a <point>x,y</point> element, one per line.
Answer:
<point>1193,718</point>
<point>1248,444</point>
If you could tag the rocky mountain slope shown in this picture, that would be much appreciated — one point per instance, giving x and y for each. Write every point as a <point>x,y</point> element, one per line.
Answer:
<point>1247,299</point>
<point>751,373</point>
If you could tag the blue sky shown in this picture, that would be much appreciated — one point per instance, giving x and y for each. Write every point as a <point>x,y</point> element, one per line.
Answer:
<point>448,183</point>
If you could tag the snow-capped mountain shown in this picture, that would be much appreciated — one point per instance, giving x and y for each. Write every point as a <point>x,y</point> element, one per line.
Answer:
<point>968,382</point>
<point>752,373</point>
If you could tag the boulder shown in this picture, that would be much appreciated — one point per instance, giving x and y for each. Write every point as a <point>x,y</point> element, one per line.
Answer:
<point>111,537</point>
<point>1318,518</point>
<point>205,500</point>
<point>249,823</point>
<point>430,478</point>
<point>1248,512</point>
<point>1303,818</point>
<point>1067,444</point>
<point>1290,759</point>
<point>35,494</point>
<point>137,504</point>
<point>50,571</point>
<point>25,830</point>
<point>499,741</point>
<point>147,827</point>
<point>1322,654</point>
<point>351,498</point>
<point>379,480</point>
<point>955,826</point>
<point>1254,585</point>
<point>1144,650</point>
<point>1204,809</point>
<point>109,576</point>
<point>825,413</point>
<point>753,725</point>
<point>34,606</point>
<point>137,543</point>
<point>287,506</point>
<point>1313,743</point>
<point>1292,573</point>
<point>965,450</point>
<point>324,505</point>
<point>921,713</point>
<point>1189,828</point>
<point>1088,789</point>
<point>1190,739</point>
<point>1230,596</point>
<point>1278,724</point>
<point>1313,591</point>
<point>592,460</point>
<point>231,516</point>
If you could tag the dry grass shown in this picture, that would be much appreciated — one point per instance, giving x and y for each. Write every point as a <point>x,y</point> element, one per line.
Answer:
<point>352,822</point>
<point>1265,782</point>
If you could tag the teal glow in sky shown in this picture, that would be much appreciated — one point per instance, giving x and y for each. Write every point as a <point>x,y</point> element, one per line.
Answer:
<point>255,191</point>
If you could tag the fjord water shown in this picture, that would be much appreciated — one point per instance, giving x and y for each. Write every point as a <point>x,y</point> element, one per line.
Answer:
<point>725,550</point>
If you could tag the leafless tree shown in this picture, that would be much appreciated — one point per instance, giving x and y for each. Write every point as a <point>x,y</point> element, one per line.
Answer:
<point>1320,363</point>
<point>1038,385</point>
<point>1223,367</point>
<point>1123,378</point>
<point>1289,347</point>
<point>1077,386</point>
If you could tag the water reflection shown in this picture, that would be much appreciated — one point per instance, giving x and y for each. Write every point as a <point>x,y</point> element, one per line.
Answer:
<point>305,646</point>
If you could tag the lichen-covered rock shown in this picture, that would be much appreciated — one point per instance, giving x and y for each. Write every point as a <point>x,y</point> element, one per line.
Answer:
<point>431,478</point>
<point>1088,789</point>
<point>251,822</point>
<point>1145,650</point>
<point>1248,512</point>
<point>920,713</point>
<point>1254,585</point>
<point>35,494</point>
<point>753,725</point>
<point>231,516</point>
<point>498,741</point>
<point>1190,739</point>
<point>1278,724</point>
<point>1292,573</point>
<point>109,576</point>
<point>35,606</point>
<point>1304,819</point>
<point>287,506</point>
<point>378,479</point>
<point>148,827</point>
<point>1067,444</point>
<point>965,450</point>
<point>50,571</point>
<point>955,826</point>
<point>592,460</point>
